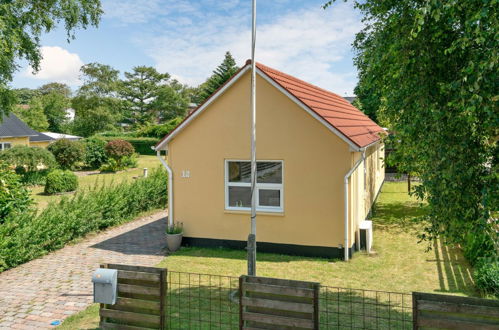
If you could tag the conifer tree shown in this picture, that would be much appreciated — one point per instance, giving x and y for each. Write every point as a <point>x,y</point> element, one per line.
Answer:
<point>220,75</point>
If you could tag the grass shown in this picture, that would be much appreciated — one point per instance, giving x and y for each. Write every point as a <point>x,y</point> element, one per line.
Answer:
<point>91,180</point>
<point>400,263</point>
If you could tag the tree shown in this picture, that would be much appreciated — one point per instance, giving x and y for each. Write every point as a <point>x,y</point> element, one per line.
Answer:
<point>55,87</point>
<point>432,69</point>
<point>220,75</point>
<point>140,89</point>
<point>171,101</point>
<point>24,95</point>
<point>93,121</point>
<point>22,24</point>
<point>32,114</point>
<point>55,105</point>
<point>67,153</point>
<point>99,80</point>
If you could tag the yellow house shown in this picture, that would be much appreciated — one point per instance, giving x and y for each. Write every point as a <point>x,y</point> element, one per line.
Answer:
<point>14,131</point>
<point>319,168</point>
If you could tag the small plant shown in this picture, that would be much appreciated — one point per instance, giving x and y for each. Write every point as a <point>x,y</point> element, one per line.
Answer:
<point>67,153</point>
<point>118,150</point>
<point>95,153</point>
<point>175,228</point>
<point>59,181</point>
<point>486,275</point>
<point>33,178</point>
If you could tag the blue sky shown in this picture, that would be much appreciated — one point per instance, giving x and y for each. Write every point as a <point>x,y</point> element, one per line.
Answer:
<point>188,39</point>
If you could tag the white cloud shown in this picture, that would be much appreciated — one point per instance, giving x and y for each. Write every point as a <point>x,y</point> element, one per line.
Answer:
<point>311,43</point>
<point>58,65</point>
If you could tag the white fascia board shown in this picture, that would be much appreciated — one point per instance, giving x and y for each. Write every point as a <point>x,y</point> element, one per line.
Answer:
<point>164,143</point>
<point>352,145</point>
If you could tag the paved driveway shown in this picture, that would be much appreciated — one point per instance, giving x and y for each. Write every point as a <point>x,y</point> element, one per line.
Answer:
<point>58,285</point>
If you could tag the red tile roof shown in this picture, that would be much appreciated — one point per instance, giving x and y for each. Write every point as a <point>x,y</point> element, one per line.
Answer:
<point>338,112</point>
<point>352,123</point>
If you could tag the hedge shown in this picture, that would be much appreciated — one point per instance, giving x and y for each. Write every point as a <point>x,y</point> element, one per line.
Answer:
<point>59,181</point>
<point>30,235</point>
<point>142,145</point>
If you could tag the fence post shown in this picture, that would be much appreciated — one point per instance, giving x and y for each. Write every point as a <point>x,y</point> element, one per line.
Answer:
<point>163,293</point>
<point>414,311</point>
<point>316,305</point>
<point>241,322</point>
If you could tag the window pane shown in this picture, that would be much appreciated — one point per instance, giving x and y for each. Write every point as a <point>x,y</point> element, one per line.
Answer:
<point>6,145</point>
<point>269,172</point>
<point>239,196</point>
<point>239,172</point>
<point>269,197</point>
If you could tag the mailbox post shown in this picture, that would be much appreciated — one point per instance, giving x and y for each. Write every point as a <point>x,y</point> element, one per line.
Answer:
<point>105,285</point>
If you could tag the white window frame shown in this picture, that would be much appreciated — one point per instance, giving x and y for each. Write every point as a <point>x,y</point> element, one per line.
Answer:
<point>273,186</point>
<point>3,145</point>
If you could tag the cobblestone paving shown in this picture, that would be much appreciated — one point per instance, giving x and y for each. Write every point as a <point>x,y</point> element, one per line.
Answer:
<point>59,284</point>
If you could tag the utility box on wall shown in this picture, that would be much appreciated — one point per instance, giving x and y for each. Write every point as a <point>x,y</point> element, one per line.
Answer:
<point>105,285</point>
<point>366,235</point>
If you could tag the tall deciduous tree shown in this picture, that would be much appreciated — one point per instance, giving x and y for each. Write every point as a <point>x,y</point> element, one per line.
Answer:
<point>220,75</point>
<point>55,87</point>
<point>429,70</point>
<point>140,89</point>
<point>55,105</point>
<point>21,26</point>
<point>32,114</point>
<point>172,101</point>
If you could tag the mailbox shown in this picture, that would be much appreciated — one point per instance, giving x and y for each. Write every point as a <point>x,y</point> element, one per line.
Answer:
<point>105,285</point>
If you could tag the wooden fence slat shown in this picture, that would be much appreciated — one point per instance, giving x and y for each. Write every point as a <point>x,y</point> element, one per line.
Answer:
<point>281,305</point>
<point>138,303</point>
<point>428,305</point>
<point>128,288</point>
<point>107,325</point>
<point>136,268</point>
<point>278,320</point>
<point>278,289</point>
<point>433,322</point>
<point>140,276</point>
<point>281,282</point>
<point>130,316</point>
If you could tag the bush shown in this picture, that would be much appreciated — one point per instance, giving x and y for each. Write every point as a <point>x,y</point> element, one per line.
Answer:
<point>59,181</point>
<point>33,178</point>
<point>159,131</point>
<point>28,158</point>
<point>95,153</point>
<point>67,153</point>
<point>486,276</point>
<point>119,151</point>
<point>142,145</point>
<point>29,236</point>
<point>14,197</point>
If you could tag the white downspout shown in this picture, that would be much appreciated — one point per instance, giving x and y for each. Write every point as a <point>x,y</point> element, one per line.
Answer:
<point>170,187</point>
<point>347,176</point>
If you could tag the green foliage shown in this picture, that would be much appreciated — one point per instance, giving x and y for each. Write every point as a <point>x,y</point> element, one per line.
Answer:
<point>172,101</point>
<point>114,166</point>
<point>92,121</point>
<point>33,178</point>
<point>117,149</point>
<point>67,153</point>
<point>29,158</point>
<point>175,228</point>
<point>428,69</point>
<point>95,153</point>
<point>486,276</point>
<point>55,87</point>
<point>54,106</point>
<point>159,131</point>
<point>32,114</point>
<point>21,27</point>
<point>59,181</point>
<point>140,90</point>
<point>25,95</point>
<point>14,197</point>
<point>220,75</point>
<point>29,236</point>
<point>142,145</point>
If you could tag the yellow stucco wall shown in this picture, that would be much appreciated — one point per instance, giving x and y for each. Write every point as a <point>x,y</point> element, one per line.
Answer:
<point>41,144</point>
<point>315,162</point>
<point>15,141</point>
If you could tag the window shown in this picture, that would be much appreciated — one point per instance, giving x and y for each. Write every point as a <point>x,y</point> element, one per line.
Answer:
<point>5,145</point>
<point>269,191</point>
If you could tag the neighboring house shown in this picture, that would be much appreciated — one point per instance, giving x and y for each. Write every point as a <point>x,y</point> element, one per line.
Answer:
<point>350,98</point>
<point>58,136</point>
<point>14,131</point>
<point>309,141</point>
<point>70,114</point>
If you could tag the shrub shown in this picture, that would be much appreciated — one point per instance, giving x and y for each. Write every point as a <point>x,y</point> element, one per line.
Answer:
<point>33,178</point>
<point>59,181</point>
<point>159,131</point>
<point>95,153</point>
<point>14,197</point>
<point>28,158</point>
<point>67,153</point>
<point>142,145</point>
<point>118,150</point>
<point>486,276</point>
<point>29,236</point>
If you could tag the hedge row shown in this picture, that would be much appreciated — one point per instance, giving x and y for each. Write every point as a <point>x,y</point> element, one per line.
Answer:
<point>29,235</point>
<point>142,145</point>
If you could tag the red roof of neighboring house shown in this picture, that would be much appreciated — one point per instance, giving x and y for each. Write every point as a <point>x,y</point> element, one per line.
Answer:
<point>337,111</point>
<point>349,121</point>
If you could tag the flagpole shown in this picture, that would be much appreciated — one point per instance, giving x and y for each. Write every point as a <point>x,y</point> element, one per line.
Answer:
<point>252,235</point>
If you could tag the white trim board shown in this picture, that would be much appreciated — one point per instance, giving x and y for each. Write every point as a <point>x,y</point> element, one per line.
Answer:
<point>162,145</point>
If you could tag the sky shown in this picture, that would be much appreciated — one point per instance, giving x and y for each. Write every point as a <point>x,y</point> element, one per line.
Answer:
<point>188,39</point>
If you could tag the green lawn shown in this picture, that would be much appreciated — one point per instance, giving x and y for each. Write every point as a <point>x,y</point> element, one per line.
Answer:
<point>91,180</point>
<point>399,263</point>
